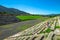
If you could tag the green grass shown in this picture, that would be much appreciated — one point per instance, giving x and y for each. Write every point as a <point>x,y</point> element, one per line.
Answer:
<point>46,31</point>
<point>57,26</point>
<point>58,39</point>
<point>7,26</point>
<point>31,17</point>
<point>24,18</point>
<point>22,28</point>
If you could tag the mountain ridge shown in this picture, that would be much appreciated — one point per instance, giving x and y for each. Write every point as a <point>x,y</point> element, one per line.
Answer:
<point>13,11</point>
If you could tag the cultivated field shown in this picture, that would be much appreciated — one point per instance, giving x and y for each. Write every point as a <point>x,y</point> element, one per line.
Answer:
<point>31,17</point>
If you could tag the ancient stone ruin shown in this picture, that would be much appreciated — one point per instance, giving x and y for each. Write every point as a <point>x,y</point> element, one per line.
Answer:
<point>40,31</point>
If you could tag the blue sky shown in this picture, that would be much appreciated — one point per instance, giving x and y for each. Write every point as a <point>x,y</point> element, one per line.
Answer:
<point>34,6</point>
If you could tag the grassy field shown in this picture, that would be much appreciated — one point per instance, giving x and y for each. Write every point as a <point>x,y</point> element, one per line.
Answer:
<point>25,18</point>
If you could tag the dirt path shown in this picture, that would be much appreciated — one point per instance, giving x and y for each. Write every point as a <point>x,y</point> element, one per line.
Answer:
<point>8,32</point>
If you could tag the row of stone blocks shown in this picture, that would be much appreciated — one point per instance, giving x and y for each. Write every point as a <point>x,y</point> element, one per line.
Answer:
<point>46,36</point>
<point>34,37</point>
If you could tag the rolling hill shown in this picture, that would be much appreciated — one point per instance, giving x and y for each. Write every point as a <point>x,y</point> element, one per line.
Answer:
<point>12,11</point>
